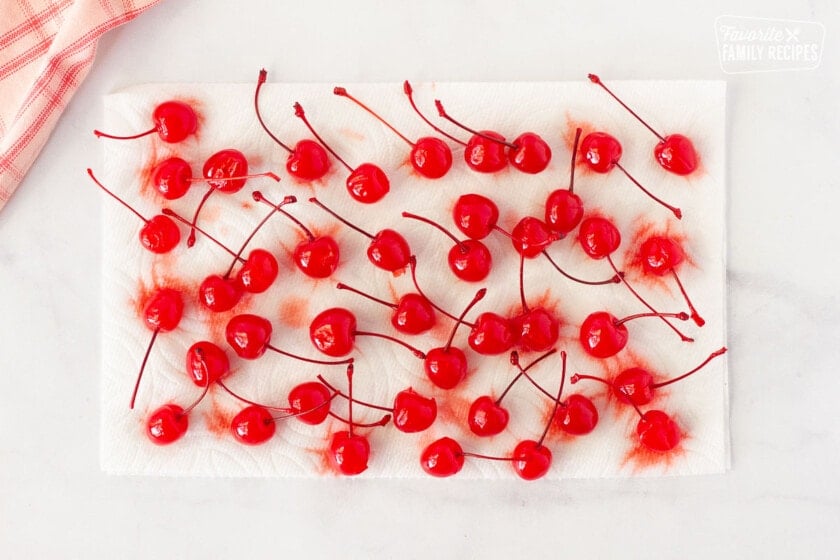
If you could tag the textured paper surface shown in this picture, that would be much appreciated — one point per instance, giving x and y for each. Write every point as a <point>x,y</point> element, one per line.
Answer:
<point>696,109</point>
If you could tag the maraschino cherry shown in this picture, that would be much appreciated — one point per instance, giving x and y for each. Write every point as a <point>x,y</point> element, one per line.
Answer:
<point>636,386</point>
<point>564,208</point>
<point>174,121</point>
<point>159,234</point>
<point>430,156</point>
<point>412,314</point>
<point>308,160</point>
<point>173,177</point>
<point>366,183</point>
<point>485,150</point>
<point>315,256</point>
<point>446,366</point>
<point>603,336</point>
<point>657,431</point>
<point>333,332</point>
<point>530,237</point>
<point>206,363</point>
<point>309,399</point>
<point>475,215</point>
<point>662,255</point>
<point>162,314</point>
<point>537,328</point>
<point>469,260</point>
<point>675,152</point>
<point>170,422</point>
<point>388,249</point>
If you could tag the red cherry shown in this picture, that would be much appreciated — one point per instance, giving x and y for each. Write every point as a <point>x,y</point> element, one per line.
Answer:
<point>366,183</point>
<point>310,396</point>
<point>253,425</point>
<point>258,272</point>
<point>206,363</point>
<point>491,334</point>
<point>248,335</point>
<point>599,238</point>
<point>388,249</point>
<point>469,260</point>
<point>171,178</point>
<point>443,457</point>
<point>600,151</point>
<point>350,453</point>
<point>657,431</point>
<point>563,208</point>
<point>475,215</point>
<point>174,121</point>
<point>413,412</point>
<point>159,234</point>
<point>167,424</point>
<point>333,332</point>
<point>430,157</point>
<point>531,460</point>
<point>538,329</point>
<point>530,153</point>
<point>487,417</point>
<point>674,152</point>
<point>446,367</point>
<point>661,256</point>
<point>412,314</point>
<point>219,294</point>
<point>577,415</point>
<point>602,335</point>
<point>531,236</point>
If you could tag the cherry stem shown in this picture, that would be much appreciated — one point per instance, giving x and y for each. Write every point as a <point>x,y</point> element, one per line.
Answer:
<point>614,280</point>
<point>635,406</point>
<point>683,337</point>
<point>342,286</point>
<point>238,258</point>
<point>339,218</point>
<point>356,401</point>
<point>291,411</point>
<point>525,308</point>
<point>381,422</point>
<point>574,158</point>
<point>115,197</point>
<point>442,113</point>
<point>698,320</point>
<point>596,80</point>
<point>100,134</point>
<point>579,376</point>
<point>413,265</point>
<point>260,82</point>
<point>302,412</point>
<point>409,92</point>
<point>259,197</point>
<point>682,316</point>
<point>302,116</point>
<point>414,350</point>
<point>172,214</point>
<point>309,360</point>
<point>143,367</point>
<point>488,457</point>
<point>194,222</point>
<point>350,370</point>
<point>341,92</point>
<point>198,400</point>
<point>556,401</point>
<point>711,357</point>
<point>514,359</point>
<point>268,174</point>
<point>479,295</point>
<point>448,233</point>
<point>676,211</point>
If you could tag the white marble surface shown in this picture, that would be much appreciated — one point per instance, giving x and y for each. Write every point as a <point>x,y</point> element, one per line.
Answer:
<point>782,497</point>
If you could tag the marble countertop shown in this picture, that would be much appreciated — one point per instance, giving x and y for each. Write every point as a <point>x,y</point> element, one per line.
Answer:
<point>782,497</point>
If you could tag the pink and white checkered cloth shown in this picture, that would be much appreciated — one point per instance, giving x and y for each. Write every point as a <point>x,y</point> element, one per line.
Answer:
<point>46,50</point>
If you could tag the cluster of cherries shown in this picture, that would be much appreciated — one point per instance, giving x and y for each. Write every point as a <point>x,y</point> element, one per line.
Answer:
<point>334,331</point>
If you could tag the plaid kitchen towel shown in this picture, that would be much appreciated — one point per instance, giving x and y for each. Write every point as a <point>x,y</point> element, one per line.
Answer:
<point>46,50</point>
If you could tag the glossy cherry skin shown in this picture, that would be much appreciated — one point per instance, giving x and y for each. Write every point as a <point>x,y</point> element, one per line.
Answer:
<point>660,255</point>
<point>531,460</point>
<point>167,424</point>
<point>206,362</point>
<point>531,237</point>
<point>431,157</point>
<point>248,335</point>
<point>445,367</point>
<point>634,385</point>
<point>389,251</point>
<point>657,431</point>
<point>563,211</point>
<point>484,155</point>
<point>171,178</point>
<point>219,294</point>
<point>174,121</point>
<point>413,412</point>
<point>486,418</point>
<point>160,234</point>
<point>224,164</point>
<point>600,151</point>
<point>443,457</point>
<point>676,154</point>
<point>599,237</point>
<point>538,329</point>
<point>333,331</point>
<point>317,258</point>
<point>368,183</point>
<point>350,453</point>
<point>492,334</point>
<point>310,396</point>
<point>308,161</point>
<point>413,314</point>
<point>600,336</point>
<point>470,260</point>
<point>577,415</point>
<point>531,155</point>
<point>475,215</point>
<point>164,309</point>
<point>253,425</point>
<point>258,272</point>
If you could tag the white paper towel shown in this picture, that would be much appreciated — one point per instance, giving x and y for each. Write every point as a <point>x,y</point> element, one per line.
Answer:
<point>694,108</point>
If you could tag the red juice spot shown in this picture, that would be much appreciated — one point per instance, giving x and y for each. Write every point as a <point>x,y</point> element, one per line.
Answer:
<point>351,134</point>
<point>453,406</point>
<point>293,311</point>
<point>217,419</point>
<point>147,189</point>
<point>247,205</point>
<point>399,272</point>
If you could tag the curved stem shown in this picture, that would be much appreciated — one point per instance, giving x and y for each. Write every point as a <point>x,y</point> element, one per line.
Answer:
<point>409,92</point>
<point>414,350</point>
<point>574,158</point>
<point>172,214</point>
<point>525,308</point>
<point>309,360</point>
<point>356,401</point>
<point>100,134</point>
<point>479,295</point>
<point>318,203</point>
<point>302,116</point>
<point>442,113</point>
<point>238,256</point>
<point>191,238</point>
<point>614,280</point>
<point>341,286</point>
<point>578,376</point>
<point>198,400</point>
<point>260,82</point>
<point>556,401</point>
<point>682,316</point>
<point>488,457</point>
<point>711,357</point>
<point>143,368</point>
<point>596,80</point>
<point>341,92</point>
<point>381,422</point>
<point>115,197</point>
<point>259,197</point>
<point>439,227</point>
<point>514,359</point>
<point>676,211</point>
<point>413,266</point>
<point>698,320</point>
